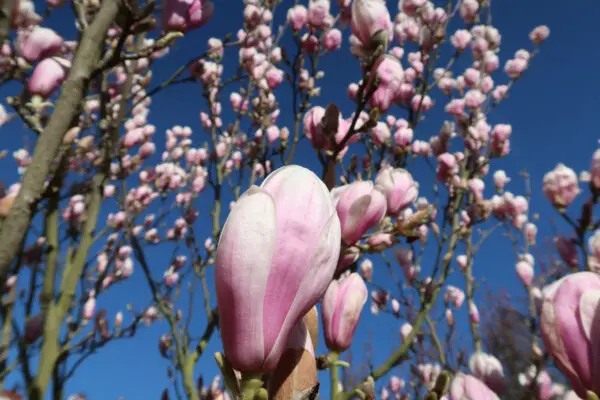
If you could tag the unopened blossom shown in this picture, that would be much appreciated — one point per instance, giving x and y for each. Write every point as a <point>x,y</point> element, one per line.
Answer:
<point>297,17</point>
<point>371,23</point>
<point>380,241</point>
<point>454,296</point>
<point>366,269</point>
<point>525,272</point>
<point>389,74</point>
<point>89,307</point>
<point>489,370</point>
<point>184,15</point>
<point>539,34</point>
<point>447,167</point>
<point>313,129</point>
<point>468,10</point>
<point>476,186</point>
<point>342,306</point>
<point>500,179</point>
<point>332,40</point>
<point>283,240</point>
<point>467,387</point>
<point>530,232</point>
<point>461,260</point>
<point>384,395</point>
<point>474,98</point>
<point>47,76</point>
<point>399,188</point>
<point>491,62</point>
<point>39,43</point>
<point>569,312</point>
<point>421,103</point>
<point>449,317</point>
<point>380,133</point>
<point>515,67</point>
<point>395,304</point>
<point>360,206</point>
<point>403,137</point>
<point>544,388</point>
<point>405,331</point>
<point>428,373</point>
<point>379,299</point>
<point>474,313</point>
<point>118,320</point>
<point>396,384</point>
<point>461,39</point>
<point>215,48</point>
<point>319,16</point>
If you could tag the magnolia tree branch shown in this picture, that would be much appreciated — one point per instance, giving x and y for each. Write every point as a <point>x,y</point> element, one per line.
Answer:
<point>434,289</point>
<point>183,360</point>
<point>7,315</point>
<point>48,148</point>
<point>7,8</point>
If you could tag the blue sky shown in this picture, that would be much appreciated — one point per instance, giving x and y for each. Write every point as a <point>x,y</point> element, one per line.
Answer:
<point>553,112</point>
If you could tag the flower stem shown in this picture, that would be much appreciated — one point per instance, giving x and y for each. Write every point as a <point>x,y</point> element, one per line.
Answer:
<point>333,371</point>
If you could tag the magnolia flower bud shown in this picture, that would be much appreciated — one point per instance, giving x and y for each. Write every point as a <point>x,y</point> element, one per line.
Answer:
<point>283,240</point>
<point>342,306</point>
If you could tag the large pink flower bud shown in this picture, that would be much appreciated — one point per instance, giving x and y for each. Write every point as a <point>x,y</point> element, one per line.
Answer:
<point>342,305</point>
<point>368,18</point>
<point>467,387</point>
<point>360,207</point>
<point>561,186</point>
<point>570,320</point>
<point>488,369</point>
<point>276,256</point>
<point>47,76</point>
<point>183,15</point>
<point>399,188</point>
<point>39,43</point>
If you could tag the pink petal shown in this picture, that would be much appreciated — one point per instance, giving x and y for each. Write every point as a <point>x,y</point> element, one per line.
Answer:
<point>243,262</point>
<point>356,215</point>
<point>315,281</point>
<point>589,304</point>
<point>328,305</point>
